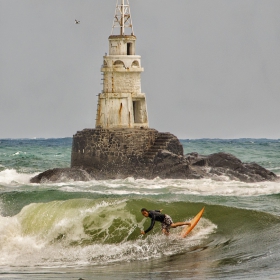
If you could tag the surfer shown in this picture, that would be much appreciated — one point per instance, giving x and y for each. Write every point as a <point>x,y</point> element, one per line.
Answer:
<point>166,221</point>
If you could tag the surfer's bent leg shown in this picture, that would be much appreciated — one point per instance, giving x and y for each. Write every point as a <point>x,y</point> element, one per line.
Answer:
<point>168,223</point>
<point>174,225</point>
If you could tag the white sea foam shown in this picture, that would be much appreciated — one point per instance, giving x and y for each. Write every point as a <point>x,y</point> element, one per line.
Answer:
<point>13,178</point>
<point>180,187</point>
<point>221,186</point>
<point>12,243</point>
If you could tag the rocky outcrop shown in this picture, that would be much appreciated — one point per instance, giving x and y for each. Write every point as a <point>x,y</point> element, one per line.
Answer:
<point>223,164</point>
<point>146,153</point>
<point>62,175</point>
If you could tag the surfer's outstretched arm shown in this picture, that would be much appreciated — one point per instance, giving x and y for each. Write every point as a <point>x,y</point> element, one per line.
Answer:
<point>149,214</point>
<point>150,227</point>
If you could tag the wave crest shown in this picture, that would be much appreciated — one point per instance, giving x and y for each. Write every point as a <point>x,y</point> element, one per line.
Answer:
<point>11,177</point>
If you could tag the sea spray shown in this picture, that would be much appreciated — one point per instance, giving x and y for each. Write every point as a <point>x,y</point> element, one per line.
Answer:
<point>10,177</point>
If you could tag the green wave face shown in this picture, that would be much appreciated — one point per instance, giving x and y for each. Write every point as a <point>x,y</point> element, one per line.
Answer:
<point>79,221</point>
<point>87,221</point>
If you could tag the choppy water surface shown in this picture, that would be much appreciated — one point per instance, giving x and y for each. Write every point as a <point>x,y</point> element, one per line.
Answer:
<point>91,230</point>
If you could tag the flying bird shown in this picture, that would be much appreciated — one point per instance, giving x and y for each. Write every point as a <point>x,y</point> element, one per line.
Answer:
<point>77,21</point>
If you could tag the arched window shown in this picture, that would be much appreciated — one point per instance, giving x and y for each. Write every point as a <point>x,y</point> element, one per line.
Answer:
<point>119,63</point>
<point>135,63</point>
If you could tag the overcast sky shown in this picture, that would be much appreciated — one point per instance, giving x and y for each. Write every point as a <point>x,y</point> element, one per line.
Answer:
<point>212,67</point>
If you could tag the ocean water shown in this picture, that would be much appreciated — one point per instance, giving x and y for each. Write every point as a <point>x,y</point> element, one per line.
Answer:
<point>91,230</point>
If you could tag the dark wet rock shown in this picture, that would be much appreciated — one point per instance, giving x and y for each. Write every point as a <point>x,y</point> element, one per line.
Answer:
<point>61,175</point>
<point>224,164</point>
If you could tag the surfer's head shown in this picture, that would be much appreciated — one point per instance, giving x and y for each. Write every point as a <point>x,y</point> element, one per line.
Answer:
<point>145,212</point>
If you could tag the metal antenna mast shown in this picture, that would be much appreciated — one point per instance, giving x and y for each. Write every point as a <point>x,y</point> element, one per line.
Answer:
<point>122,17</point>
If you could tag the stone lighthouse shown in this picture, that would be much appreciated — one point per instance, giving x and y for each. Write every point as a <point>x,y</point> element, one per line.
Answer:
<point>121,103</point>
<point>122,144</point>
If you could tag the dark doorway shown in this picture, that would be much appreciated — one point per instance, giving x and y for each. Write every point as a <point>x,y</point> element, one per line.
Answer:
<point>136,111</point>
<point>129,48</point>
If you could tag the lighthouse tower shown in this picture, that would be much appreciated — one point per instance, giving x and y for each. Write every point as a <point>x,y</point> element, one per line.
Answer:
<point>121,104</point>
<point>122,144</point>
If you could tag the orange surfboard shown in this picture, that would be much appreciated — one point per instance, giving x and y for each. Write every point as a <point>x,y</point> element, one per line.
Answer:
<point>194,221</point>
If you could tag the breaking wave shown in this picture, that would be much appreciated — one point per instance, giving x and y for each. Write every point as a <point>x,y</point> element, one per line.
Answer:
<point>84,231</point>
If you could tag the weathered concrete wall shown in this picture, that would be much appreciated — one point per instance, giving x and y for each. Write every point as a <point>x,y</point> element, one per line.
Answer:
<point>123,111</point>
<point>107,148</point>
<point>118,44</point>
<point>118,105</point>
<point>120,82</point>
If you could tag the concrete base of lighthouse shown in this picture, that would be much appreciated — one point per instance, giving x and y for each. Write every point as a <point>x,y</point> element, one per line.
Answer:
<point>123,152</point>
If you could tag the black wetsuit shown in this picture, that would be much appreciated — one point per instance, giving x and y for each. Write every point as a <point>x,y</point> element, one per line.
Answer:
<point>155,215</point>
